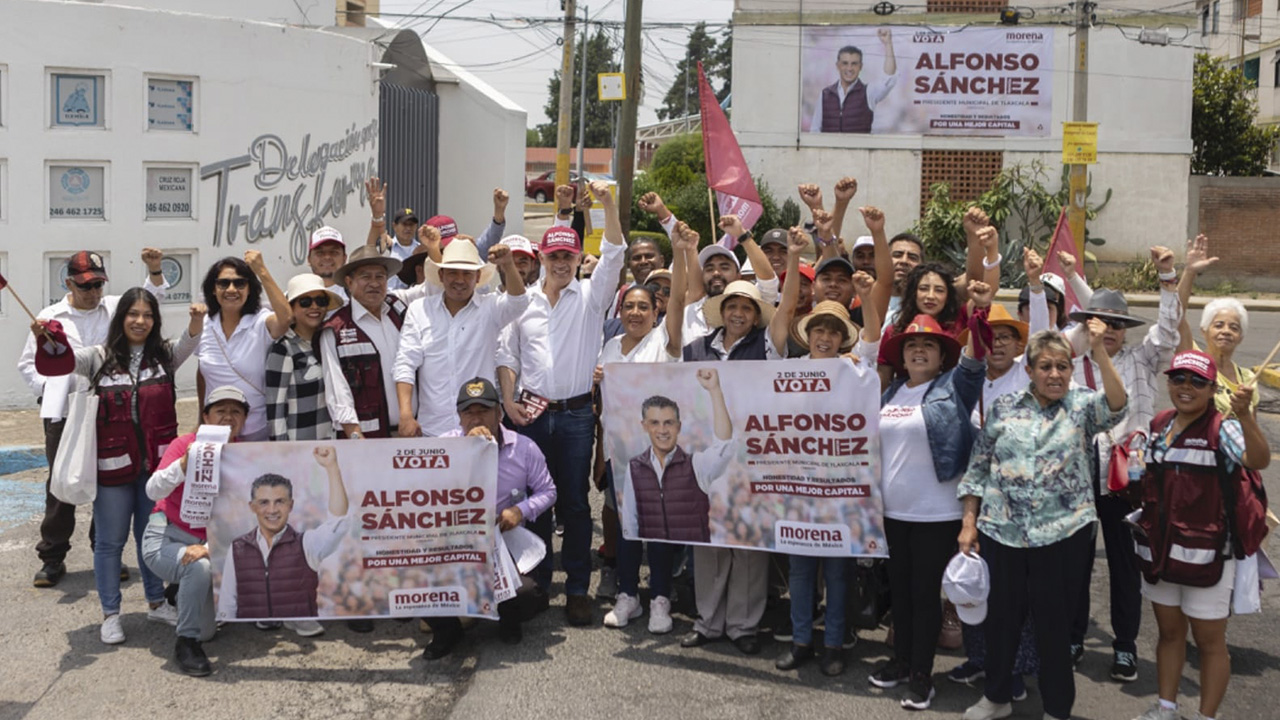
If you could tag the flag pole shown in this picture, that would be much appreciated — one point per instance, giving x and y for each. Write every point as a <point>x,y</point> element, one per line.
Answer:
<point>4,284</point>
<point>711,213</point>
<point>1264,365</point>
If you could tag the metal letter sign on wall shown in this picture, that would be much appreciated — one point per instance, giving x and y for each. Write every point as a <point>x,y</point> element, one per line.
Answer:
<point>410,152</point>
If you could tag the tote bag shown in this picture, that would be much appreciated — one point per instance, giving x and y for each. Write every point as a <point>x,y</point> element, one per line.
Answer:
<point>75,470</point>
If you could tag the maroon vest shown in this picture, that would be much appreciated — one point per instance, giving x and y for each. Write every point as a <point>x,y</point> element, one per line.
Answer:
<point>123,447</point>
<point>362,367</point>
<point>854,115</point>
<point>677,509</point>
<point>283,587</point>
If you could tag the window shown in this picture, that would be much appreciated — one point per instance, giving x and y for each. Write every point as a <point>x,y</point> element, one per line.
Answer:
<point>1275,67</point>
<point>168,192</point>
<point>1251,70</point>
<point>171,104</point>
<point>1217,4</point>
<point>1204,20</point>
<point>78,100</point>
<point>77,191</point>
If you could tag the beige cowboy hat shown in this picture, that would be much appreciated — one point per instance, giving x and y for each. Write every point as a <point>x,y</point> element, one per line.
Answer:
<point>460,255</point>
<point>738,288</point>
<point>836,310</point>
<point>366,255</point>
<point>308,283</point>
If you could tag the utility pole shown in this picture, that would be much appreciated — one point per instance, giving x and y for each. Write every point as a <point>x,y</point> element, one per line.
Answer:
<point>626,152</point>
<point>564,127</point>
<point>582,95</point>
<point>1079,178</point>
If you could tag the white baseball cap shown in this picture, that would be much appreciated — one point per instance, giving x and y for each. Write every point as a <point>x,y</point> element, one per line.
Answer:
<point>715,249</point>
<point>967,584</point>
<point>864,240</point>
<point>324,235</point>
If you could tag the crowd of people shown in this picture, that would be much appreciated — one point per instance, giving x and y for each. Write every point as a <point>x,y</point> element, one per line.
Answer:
<point>1000,433</point>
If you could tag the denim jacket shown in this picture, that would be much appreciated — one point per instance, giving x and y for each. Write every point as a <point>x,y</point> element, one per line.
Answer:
<point>948,403</point>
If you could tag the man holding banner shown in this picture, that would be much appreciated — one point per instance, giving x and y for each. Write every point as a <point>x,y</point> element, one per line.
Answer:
<point>275,549</point>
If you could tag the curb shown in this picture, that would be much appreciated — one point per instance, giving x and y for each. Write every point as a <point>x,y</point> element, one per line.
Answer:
<point>18,459</point>
<point>1153,300</point>
<point>1270,376</point>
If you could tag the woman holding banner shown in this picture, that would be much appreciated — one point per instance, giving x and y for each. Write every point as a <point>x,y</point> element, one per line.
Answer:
<point>132,375</point>
<point>1029,509</point>
<point>925,438</point>
<point>646,340</point>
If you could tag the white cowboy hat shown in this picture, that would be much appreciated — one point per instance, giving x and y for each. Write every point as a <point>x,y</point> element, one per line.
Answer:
<point>460,255</point>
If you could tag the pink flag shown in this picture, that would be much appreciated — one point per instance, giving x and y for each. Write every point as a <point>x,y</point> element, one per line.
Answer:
<point>1064,242</point>
<point>727,172</point>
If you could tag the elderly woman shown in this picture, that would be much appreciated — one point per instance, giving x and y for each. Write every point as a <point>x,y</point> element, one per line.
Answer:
<point>1029,508</point>
<point>1223,323</point>
<point>1183,502</point>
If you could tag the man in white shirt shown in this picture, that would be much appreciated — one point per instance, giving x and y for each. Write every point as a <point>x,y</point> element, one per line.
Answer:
<point>552,349</point>
<point>326,254</point>
<point>85,313</point>
<point>451,335</point>
<point>848,104</point>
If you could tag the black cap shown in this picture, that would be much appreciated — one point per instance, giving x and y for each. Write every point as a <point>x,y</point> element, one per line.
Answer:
<point>477,390</point>
<point>405,214</point>
<point>776,235</point>
<point>834,262</point>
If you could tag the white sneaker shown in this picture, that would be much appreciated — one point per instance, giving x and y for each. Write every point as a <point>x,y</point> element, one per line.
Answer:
<point>1159,712</point>
<point>625,609</point>
<point>164,613</point>
<point>608,587</point>
<point>984,709</point>
<point>112,633</point>
<point>659,616</point>
<point>305,628</point>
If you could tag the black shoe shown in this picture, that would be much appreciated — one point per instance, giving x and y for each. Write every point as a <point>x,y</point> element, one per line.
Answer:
<point>695,639</point>
<point>1077,654</point>
<point>578,610</point>
<point>748,644</point>
<point>360,626</point>
<point>1125,667</point>
<point>889,674</point>
<point>191,658</point>
<point>268,625</point>
<point>850,637</point>
<point>533,604</point>
<point>795,656</point>
<point>442,643</point>
<point>50,574</point>
<point>124,573</point>
<point>509,630</point>
<point>919,692</point>
<point>832,661</point>
<point>782,633</point>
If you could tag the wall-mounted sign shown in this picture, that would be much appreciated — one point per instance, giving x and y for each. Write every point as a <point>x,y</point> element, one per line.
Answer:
<point>168,192</point>
<point>1079,143</point>
<point>611,86</point>
<point>77,100</point>
<point>170,104</point>
<point>177,271</point>
<point>77,192</point>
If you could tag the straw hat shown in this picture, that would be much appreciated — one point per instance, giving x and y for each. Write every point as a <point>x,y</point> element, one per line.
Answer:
<point>840,312</point>
<point>738,288</point>
<point>999,316</point>
<point>460,255</point>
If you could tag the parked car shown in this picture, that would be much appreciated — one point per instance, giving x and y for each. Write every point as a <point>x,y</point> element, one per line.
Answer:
<point>542,188</point>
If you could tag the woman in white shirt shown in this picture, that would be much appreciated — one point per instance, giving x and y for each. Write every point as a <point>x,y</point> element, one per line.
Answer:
<point>644,340</point>
<point>234,344</point>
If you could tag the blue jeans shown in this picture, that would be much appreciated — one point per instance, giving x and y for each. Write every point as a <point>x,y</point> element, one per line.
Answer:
<point>115,510</point>
<point>566,439</point>
<point>804,576</point>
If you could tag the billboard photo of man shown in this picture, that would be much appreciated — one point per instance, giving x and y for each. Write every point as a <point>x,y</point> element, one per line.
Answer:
<point>848,105</point>
<point>272,570</point>
<point>668,486</point>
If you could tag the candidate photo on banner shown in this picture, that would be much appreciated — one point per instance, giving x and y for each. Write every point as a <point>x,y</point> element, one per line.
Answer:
<point>904,80</point>
<point>391,527</point>
<point>755,455</point>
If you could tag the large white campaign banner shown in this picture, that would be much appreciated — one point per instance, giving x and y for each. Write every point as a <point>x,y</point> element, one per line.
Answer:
<point>374,528</point>
<point>895,80</point>
<point>781,456</point>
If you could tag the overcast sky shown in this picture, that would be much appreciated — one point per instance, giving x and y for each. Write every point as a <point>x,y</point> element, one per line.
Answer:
<point>520,61</point>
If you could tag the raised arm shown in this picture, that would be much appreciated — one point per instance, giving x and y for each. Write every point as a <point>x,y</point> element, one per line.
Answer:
<point>846,188</point>
<point>1198,260</point>
<point>709,379</point>
<point>493,233</point>
<point>883,291</point>
<point>890,62</point>
<point>327,457</point>
<point>825,236</point>
<point>864,285</point>
<point>1037,303</point>
<point>759,261</point>
<point>683,238</point>
<point>377,193</point>
<point>1112,385</point>
<point>282,315</point>
<point>780,325</point>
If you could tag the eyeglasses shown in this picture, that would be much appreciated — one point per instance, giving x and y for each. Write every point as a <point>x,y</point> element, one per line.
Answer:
<point>224,283</point>
<point>1182,378</point>
<point>91,285</point>
<point>1003,339</point>
<point>318,301</point>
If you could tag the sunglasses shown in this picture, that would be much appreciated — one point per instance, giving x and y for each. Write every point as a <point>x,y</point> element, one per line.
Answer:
<point>318,301</point>
<point>1182,378</point>
<point>1113,323</point>
<point>91,285</point>
<point>224,283</point>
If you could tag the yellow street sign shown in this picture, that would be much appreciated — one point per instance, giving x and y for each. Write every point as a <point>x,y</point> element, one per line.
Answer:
<point>1079,143</point>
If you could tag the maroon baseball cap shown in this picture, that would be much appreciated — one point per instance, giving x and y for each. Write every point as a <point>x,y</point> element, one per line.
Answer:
<point>447,227</point>
<point>560,237</point>
<point>86,266</point>
<point>1196,362</point>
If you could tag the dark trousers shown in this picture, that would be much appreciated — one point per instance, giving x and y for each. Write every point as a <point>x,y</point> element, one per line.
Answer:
<point>1126,581</point>
<point>508,611</point>
<point>566,438</point>
<point>59,522</point>
<point>1042,581</point>
<point>918,555</point>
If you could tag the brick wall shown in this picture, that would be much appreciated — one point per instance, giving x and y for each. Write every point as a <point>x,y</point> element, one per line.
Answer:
<point>1241,217</point>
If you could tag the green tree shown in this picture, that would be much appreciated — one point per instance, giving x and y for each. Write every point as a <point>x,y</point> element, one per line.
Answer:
<point>600,59</point>
<point>682,98</point>
<point>1225,140</point>
<point>532,138</point>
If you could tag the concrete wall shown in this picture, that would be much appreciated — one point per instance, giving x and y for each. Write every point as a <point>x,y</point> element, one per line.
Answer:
<point>1239,216</point>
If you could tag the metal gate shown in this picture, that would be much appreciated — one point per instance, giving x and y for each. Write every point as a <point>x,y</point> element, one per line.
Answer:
<point>409,148</point>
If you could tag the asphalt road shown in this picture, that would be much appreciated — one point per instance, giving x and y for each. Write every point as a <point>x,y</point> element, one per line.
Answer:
<point>52,664</point>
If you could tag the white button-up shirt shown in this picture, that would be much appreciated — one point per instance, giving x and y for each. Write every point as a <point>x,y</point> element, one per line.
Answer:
<point>554,348</point>
<point>239,360</point>
<point>439,351</point>
<point>401,253</point>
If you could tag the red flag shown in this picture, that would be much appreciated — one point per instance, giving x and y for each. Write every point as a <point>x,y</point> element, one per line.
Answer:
<point>1063,241</point>
<point>3,283</point>
<point>727,172</point>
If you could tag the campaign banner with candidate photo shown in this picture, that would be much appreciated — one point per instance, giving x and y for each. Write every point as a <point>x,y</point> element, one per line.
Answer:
<point>756,455</point>
<point>399,527</point>
<point>896,80</point>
